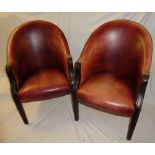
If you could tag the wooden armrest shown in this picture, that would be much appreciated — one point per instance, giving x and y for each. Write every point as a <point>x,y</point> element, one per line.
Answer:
<point>77,75</point>
<point>71,70</point>
<point>142,90</point>
<point>12,80</point>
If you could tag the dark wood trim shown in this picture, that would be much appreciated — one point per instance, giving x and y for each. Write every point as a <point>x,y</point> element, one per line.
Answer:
<point>139,103</point>
<point>73,95</point>
<point>71,71</point>
<point>142,90</point>
<point>77,78</point>
<point>14,90</point>
<point>77,75</point>
<point>75,106</point>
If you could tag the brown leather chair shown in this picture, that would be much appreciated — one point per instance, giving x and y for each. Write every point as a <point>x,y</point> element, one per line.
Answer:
<point>39,64</point>
<point>113,70</point>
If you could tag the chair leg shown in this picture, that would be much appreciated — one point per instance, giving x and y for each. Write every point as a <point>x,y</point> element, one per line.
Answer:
<point>21,111</point>
<point>75,106</point>
<point>132,124</point>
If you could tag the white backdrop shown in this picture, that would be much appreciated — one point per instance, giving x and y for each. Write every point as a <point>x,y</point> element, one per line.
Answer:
<point>77,27</point>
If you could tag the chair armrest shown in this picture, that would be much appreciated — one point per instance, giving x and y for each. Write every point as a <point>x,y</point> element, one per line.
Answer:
<point>141,92</point>
<point>71,70</point>
<point>13,84</point>
<point>77,81</point>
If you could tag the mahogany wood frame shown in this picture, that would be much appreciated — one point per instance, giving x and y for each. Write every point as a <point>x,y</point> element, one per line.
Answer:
<point>138,107</point>
<point>73,95</point>
<point>14,90</point>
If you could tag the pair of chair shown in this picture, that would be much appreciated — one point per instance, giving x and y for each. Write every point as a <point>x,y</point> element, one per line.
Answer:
<point>111,74</point>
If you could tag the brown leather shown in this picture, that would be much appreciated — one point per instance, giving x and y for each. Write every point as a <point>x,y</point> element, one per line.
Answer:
<point>108,93</point>
<point>38,54</point>
<point>44,84</point>
<point>122,48</point>
<point>37,45</point>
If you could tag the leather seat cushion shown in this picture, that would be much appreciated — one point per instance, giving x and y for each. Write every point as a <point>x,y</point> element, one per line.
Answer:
<point>44,84</point>
<point>108,93</point>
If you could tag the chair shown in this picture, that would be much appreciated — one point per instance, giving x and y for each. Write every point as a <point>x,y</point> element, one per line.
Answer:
<point>39,64</point>
<point>113,70</point>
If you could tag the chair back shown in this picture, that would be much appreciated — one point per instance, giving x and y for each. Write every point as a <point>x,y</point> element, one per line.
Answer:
<point>34,46</point>
<point>120,47</point>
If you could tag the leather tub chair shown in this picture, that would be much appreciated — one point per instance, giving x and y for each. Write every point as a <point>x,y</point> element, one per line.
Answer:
<point>112,72</point>
<point>39,64</point>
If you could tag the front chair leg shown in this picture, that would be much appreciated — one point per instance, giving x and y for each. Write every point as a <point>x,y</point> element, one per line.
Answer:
<point>139,104</point>
<point>75,106</point>
<point>13,88</point>
<point>132,124</point>
<point>21,111</point>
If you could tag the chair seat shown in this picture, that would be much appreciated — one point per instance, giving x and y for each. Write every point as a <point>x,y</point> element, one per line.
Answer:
<point>45,84</point>
<point>108,93</point>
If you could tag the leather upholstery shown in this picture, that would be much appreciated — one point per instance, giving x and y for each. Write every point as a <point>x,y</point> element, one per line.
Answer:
<point>44,84</point>
<point>108,93</point>
<point>38,54</point>
<point>37,45</point>
<point>122,48</point>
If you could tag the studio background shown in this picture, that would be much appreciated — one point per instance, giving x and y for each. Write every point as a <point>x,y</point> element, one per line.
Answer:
<point>52,120</point>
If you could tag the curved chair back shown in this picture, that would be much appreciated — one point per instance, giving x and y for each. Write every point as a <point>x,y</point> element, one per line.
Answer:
<point>36,45</point>
<point>120,47</point>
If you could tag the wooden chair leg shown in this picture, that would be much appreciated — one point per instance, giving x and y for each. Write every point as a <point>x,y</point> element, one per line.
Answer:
<point>75,107</point>
<point>21,111</point>
<point>13,88</point>
<point>132,124</point>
